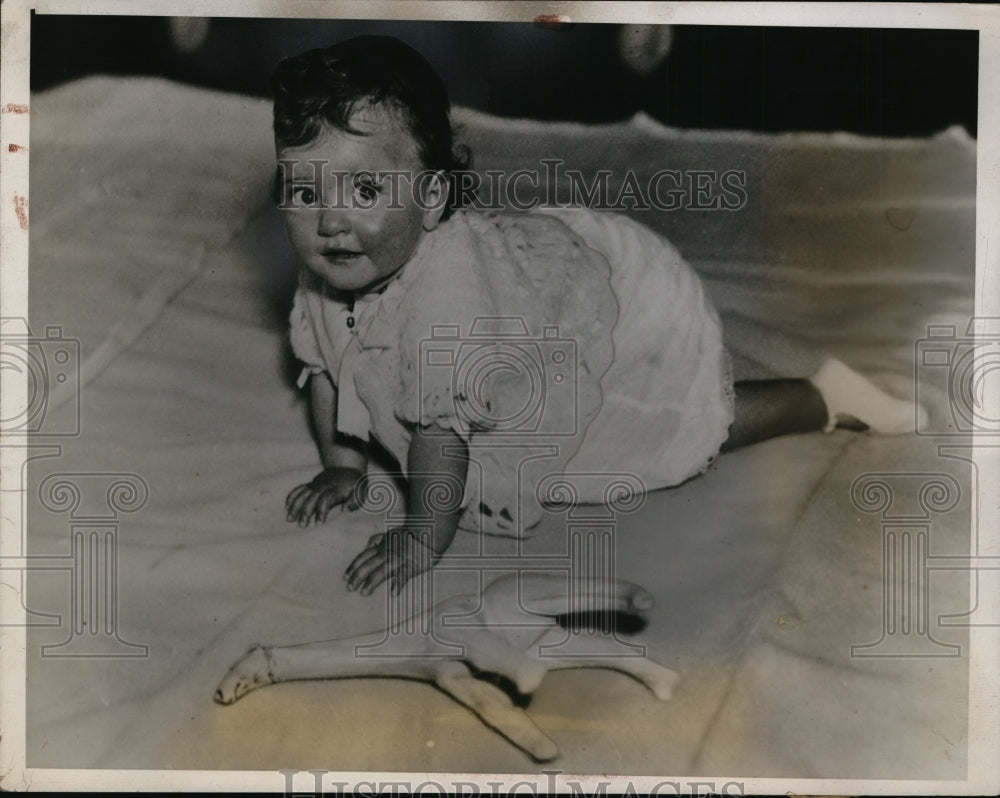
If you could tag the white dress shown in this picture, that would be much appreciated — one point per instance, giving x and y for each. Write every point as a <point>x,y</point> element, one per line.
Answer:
<point>571,350</point>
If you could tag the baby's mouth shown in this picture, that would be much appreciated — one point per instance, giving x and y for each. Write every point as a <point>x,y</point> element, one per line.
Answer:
<point>336,255</point>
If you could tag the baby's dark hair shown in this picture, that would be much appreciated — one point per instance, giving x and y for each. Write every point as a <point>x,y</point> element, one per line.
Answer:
<point>319,89</point>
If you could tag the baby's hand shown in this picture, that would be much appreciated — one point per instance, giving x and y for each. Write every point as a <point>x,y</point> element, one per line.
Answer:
<point>399,555</point>
<point>314,500</point>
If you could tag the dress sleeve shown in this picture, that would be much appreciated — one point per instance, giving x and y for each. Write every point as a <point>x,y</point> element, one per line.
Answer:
<point>302,334</point>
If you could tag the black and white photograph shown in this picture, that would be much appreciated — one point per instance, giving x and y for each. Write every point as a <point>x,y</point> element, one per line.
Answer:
<point>500,398</point>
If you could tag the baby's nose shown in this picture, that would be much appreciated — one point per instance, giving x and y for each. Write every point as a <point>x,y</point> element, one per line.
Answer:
<point>333,221</point>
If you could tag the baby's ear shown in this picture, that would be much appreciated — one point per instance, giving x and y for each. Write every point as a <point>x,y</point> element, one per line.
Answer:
<point>434,190</point>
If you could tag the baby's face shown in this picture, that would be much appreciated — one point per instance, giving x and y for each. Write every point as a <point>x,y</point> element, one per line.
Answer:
<point>342,228</point>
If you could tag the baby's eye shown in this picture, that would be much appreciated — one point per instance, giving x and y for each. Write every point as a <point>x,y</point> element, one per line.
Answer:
<point>367,191</point>
<point>304,195</point>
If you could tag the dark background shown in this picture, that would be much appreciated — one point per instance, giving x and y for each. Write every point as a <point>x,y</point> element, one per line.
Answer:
<point>877,82</point>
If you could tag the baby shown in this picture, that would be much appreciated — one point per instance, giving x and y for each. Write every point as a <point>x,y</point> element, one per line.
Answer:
<point>627,372</point>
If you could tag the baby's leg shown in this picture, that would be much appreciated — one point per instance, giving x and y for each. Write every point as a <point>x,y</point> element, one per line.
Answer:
<point>769,408</point>
<point>836,396</point>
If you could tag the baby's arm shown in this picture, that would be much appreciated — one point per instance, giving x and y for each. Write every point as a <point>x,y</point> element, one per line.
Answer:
<point>436,484</point>
<point>344,461</point>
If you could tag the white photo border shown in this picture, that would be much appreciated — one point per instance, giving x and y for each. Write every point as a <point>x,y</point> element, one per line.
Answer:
<point>984,727</point>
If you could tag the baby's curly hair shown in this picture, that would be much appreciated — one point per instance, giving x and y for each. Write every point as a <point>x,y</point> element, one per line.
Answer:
<point>321,88</point>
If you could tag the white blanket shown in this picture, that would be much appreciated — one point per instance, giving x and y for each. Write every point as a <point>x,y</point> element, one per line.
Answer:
<point>152,241</point>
